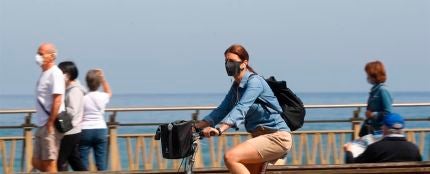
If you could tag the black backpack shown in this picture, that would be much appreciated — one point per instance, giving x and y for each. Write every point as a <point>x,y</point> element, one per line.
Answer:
<point>293,110</point>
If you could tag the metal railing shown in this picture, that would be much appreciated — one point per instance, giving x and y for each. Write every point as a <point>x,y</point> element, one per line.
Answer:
<point>142,152</point>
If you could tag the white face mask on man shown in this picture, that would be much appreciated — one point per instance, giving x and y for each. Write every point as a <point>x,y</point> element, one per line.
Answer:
<point>39,59</point>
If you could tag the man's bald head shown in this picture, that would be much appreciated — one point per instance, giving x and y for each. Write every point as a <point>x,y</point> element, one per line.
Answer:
<point>48,52</point>
<point>47,48</point>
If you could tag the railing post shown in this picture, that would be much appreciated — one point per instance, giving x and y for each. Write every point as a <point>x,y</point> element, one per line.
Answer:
<point>195,115</point>
<point>199,162</point>
<point>27,154</point>
<point>115,163</point>
<point>356,123</point>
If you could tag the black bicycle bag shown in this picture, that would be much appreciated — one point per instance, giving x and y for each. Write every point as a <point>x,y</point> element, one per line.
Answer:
<point>176,139</point>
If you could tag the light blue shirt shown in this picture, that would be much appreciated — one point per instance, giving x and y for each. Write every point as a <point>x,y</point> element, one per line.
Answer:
<point>240,106</point>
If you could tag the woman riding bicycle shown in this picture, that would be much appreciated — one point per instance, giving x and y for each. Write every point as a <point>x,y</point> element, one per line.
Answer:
<point>271,137</point>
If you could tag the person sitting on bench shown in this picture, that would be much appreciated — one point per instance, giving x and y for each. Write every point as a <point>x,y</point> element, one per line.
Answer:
<point>392,148</point>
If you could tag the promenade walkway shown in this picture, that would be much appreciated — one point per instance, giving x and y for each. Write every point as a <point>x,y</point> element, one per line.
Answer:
<point>371,168</point>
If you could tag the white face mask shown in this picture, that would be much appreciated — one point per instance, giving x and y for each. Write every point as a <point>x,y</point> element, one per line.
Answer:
<point>39,60</point>
<point>66,77</point>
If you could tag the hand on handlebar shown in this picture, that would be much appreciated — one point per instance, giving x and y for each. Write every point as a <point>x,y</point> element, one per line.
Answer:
<point>210,131</point>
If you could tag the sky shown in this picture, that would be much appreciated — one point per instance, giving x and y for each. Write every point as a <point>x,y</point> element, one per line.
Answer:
<point>177,46</point>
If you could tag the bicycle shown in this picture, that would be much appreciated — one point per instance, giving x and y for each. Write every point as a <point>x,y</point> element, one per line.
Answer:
<point>198,136</point>
<point>181,150</point>
<point>189,161</point>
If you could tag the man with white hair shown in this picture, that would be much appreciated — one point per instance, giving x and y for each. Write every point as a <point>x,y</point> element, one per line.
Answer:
<point>50,102</point>
<point>392,148</point>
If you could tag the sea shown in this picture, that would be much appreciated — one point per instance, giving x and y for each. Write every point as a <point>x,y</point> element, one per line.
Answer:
<point>213,99</point>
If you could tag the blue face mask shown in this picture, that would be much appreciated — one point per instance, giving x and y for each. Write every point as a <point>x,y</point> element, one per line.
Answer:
<point>233,68</point>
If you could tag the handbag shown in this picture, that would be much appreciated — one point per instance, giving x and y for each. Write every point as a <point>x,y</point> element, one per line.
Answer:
<point>63,122</point>
<point>176,139</point>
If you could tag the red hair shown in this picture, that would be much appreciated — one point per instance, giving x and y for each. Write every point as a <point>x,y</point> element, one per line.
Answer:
<point>376,71</point>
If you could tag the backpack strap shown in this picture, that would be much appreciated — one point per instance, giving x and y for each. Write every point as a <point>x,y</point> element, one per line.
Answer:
<point>264,103</point>
<point>270,105</point>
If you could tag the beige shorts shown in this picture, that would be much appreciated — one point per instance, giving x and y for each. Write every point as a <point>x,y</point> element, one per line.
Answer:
<point>46,145</point>
<point>272,146</point>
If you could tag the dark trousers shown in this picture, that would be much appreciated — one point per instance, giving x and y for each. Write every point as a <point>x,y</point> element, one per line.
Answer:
<point>69,153</point>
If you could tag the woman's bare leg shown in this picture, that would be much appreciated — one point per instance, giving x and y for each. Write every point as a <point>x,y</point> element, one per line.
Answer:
<point>255,168</point>
<point>236,158</point>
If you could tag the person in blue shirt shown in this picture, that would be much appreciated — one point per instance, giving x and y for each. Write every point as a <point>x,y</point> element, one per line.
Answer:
<point>243,105</point>
<point>379,102</point>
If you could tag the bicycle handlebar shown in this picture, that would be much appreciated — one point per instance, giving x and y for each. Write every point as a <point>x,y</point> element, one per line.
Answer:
<point>200,132</point>
<point>213,134</point>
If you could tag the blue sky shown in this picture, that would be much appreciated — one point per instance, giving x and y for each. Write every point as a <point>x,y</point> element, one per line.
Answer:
<point>171,46</point>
